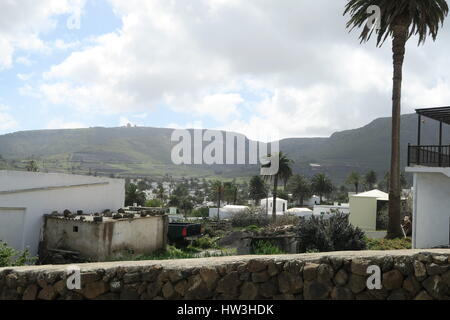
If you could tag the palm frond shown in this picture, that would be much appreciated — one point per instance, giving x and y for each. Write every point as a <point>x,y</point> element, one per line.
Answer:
<point>423,17</point>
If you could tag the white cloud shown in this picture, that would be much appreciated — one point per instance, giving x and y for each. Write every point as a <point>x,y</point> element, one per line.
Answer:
<point>7,121</point>
<point>252,65</point>
<point>22,22</point>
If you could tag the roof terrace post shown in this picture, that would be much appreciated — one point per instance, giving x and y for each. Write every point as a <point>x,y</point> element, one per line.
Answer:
<point>419,128</point>
<point>440,144</point>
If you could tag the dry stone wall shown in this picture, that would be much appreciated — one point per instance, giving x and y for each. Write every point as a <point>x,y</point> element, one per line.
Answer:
<point>405,275</point>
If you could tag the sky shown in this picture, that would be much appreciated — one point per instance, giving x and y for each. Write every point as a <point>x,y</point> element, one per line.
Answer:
<point>287,67</point>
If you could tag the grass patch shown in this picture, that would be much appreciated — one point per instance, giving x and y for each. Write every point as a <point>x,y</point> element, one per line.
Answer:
<point>391,244</point>
<point>266,248</point>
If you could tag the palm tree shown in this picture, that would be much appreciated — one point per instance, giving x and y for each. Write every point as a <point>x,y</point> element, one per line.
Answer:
<point>217,188</point>
<point>399,19</point>
<point>354,179</point>
<point>257,189</point>
<point>321,185</point>
<point>283,174</point>
<point>300,188</point>
<point>370,179</point>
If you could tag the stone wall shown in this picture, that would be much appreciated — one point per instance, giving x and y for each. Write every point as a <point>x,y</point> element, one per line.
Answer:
<point>411,274</point>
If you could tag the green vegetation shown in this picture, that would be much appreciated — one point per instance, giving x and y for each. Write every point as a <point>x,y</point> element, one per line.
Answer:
<point>205,242</point>
<point>388,244</point>
<point>247,218</point>
<point>11,258</point>
<point>333,234</point>
<point>266,248</point>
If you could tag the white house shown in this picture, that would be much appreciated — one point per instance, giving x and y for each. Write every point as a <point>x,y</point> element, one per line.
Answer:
<point>281,204</point>
<point>327,210</point>
<point>227,211</point>
<point>26,196</point>
<point>300,212</point>
<point>311,202</point>
<point>364,208</point>
<point>430,166</point>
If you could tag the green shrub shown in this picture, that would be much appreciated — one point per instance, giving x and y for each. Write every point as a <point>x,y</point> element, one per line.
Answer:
<point>285,220</point>
<point>249,218</point>
<point>205,242</point>
<point>388,244</point>
<point>200,213</point>
<point>262,247</point>
<point>333,234</point>
<point>154,203</point>
<point>11,258</point>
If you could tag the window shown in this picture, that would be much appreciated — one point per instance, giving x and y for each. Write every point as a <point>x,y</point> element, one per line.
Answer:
<point>75,228</point>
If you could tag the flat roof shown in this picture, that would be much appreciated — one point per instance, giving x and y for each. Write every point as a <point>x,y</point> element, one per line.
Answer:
<point>439,114</point>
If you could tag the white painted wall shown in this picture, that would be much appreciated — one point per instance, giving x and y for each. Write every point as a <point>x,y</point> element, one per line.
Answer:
<point>282,205</point>
<point>327,210</point>
<point>431,209</point>
<point>42,193</point>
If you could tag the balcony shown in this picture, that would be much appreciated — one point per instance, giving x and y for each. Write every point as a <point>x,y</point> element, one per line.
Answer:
<point>431,155</point>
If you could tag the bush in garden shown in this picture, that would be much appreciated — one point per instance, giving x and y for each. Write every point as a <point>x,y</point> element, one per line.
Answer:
<point>12,258</point>
<point>266,248</point>
<point>250,218</point>
<point>332,234</point>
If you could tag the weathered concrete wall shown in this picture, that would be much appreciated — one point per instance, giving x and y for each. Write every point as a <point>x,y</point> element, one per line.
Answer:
<point>408,274</point>
<point>37,193</point>
<point>108,239</point>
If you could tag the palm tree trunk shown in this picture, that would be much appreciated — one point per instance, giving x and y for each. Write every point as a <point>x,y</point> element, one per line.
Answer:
<point>400,36</point>
<point>218,203</point>
<point>274,201</point>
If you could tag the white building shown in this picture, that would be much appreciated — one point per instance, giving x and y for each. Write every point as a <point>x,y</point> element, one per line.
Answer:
<point>327,210</point>
<point>311,202</point>
<point>26,196</point>
<point>227,211</point>
<point>430,166</point>
<point>281,205</point>
<point>364,208</point>
<point>300,212</point>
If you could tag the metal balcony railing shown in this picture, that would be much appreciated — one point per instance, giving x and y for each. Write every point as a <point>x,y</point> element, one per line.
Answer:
<point>429,156</point>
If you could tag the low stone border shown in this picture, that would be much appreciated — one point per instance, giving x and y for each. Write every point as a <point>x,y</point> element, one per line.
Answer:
<point>404,275</point>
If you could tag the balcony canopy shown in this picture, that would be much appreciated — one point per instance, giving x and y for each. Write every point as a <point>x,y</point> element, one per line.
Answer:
<point>439,114</point>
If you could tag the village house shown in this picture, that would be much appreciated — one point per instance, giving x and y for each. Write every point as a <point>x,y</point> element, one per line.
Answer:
<point>430,166</point>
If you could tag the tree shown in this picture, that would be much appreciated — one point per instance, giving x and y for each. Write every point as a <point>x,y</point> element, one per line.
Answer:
<point>230,192</point>
<point>160,192</point>
<point>186,206</point>
<point>300,188</point>
<point>354,180</point>
<point>217,189</point>
<point>32,166</point>
<point>370,179</point>
<point>283,175</point>
<point>321,185</point>
<point>133,195</point>
<point>257,189</point>
<point>399,19</point>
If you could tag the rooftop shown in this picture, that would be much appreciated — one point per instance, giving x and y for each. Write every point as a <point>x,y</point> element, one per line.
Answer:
<point>439,114</point>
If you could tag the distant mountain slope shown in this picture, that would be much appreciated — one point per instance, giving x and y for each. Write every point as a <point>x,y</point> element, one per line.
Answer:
<point>147,151</point>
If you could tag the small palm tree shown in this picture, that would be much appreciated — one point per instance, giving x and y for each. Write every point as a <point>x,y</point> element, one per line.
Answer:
<point>217,188</point>
<point>321,185</point>
<point>370,179</point>
<point>284,173</point>
<point>354,180</point>
<point>300,188</point>
<point>399,19</point>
